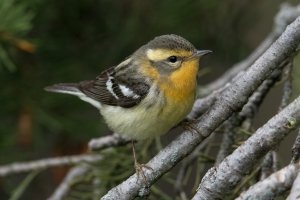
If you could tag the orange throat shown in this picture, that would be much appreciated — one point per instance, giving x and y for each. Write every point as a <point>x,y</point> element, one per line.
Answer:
<point>181,84</point>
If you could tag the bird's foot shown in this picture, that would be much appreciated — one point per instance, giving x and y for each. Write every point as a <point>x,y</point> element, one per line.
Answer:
<point>188,124</point>
<point>139,168</point>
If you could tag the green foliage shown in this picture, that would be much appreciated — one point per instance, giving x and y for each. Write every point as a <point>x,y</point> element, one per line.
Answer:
<point>15,21</point>
<point>17,193</point>
<point>14,17</point>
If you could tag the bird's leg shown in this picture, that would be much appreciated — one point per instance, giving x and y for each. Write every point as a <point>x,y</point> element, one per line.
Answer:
<point>139,167</point>
<point>188,124</point>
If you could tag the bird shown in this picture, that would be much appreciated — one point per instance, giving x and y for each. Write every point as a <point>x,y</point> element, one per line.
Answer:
<point>148,93</point>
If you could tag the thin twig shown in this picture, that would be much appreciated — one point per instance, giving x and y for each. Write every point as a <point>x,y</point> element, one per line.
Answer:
<point>63,189</point>
<point>285,16</point>
<point>247,112</point>
<point>287,86</point>
<point>269,165</point>
<point>46,163</point>
<point>296,149</point>
<point>114,140</point>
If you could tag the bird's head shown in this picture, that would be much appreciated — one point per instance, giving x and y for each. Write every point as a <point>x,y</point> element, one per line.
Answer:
<point>168,53</point>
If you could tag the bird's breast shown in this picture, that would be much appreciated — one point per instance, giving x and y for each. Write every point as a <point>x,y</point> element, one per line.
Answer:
<point>166,104</point>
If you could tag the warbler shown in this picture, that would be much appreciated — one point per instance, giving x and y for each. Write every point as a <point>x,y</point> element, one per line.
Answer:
<point>148,93</point>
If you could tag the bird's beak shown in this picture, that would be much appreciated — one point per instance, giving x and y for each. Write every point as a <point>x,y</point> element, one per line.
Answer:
<point>200,53</point>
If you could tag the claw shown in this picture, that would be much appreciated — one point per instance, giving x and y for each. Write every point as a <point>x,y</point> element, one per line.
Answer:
<point>188,124</point>
<point>139,168</point>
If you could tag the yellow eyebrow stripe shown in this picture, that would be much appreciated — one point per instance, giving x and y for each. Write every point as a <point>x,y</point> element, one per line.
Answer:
<point>161,54</point>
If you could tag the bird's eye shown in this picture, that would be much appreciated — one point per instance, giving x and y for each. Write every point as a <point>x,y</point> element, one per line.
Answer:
<point>172,59</point>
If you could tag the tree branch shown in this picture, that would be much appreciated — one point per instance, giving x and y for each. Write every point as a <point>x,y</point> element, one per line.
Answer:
<point>220,180</point>
<point>273,186</point>
<point>295,191</point>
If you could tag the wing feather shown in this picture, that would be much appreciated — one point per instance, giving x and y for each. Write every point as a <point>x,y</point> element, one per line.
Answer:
<point>115,89</point>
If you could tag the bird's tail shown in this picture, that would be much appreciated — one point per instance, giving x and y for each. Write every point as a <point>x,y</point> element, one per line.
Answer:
<point>67,88</point>
<point>73,89</point>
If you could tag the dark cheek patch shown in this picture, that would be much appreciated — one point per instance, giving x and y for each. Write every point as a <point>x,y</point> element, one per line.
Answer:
<point>164,68</point>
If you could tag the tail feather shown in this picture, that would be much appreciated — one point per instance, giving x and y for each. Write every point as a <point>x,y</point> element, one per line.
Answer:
<point>67,88</point>
<point>73,89</point>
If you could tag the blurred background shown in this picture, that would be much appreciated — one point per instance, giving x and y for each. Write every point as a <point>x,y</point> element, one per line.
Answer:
<point>49,41</point>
